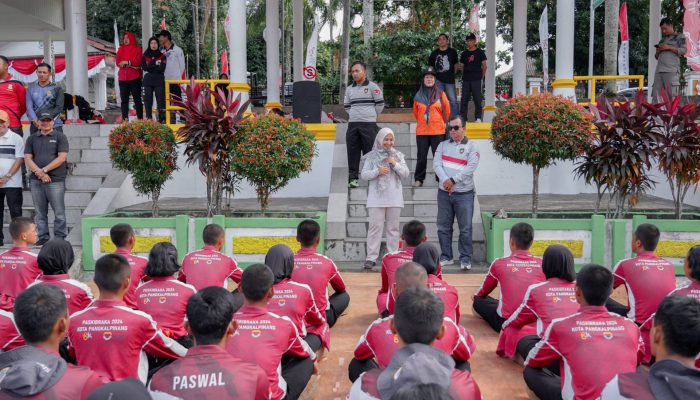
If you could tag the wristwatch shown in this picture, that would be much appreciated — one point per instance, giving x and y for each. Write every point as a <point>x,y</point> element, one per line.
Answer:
<point>46,171</point>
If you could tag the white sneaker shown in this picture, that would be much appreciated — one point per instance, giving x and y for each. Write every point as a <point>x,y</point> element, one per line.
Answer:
<point>465,266</point>
<point>444,262</point>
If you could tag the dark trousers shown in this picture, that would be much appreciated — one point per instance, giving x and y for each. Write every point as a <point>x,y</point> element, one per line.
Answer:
<point>131,88</point>
<point>14,204</point>
<point>543,382</point>
<point>314,341</point>
<point>159,91</point>
<point>357,367</point>
<point>359,139</point>
<point>175,94</point>
<point>471,89</point>
<point>486,307</point>
<point>296,372</point>
<point>425,143</point>
<point>526,344</point>
<point>617,308</point>
<point>339,303</point>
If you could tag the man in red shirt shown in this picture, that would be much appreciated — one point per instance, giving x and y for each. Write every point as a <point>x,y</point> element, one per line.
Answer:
<point>124,239</point>
<point>647,278</point>
<point>9,336</point>
<point>18,266</point>
<point>112,338</point>
<point>208,266</point>
<point>318,271</point>
<point>514,273</point>
<point>580,340</point>
<point>208,371</point>
<point>42,318</point>
<point>12,97</point>
<point>264,338</point>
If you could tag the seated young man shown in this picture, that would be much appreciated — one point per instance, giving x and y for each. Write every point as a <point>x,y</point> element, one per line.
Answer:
<point>543,303</point>
<point>378,344</point>
<point>18,266</point>
<point>514,274</point>
<point>209,266</point>
<point>210,322</point>
<point>55,259</point>
<point>124,239</point>
<point>647,277</point>
<point>294,300</point>
<point>578,341</point>
<point>9,336</point>
<point>412,234</point>
<point>418,321</point>
<point>110,337</point>
<point>319,271</point>
<point>36,371</point>
<point>673,376</point>
<point>268,340</point>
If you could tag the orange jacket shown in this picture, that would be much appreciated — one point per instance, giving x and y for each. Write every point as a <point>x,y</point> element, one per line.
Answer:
<point>439,111</point>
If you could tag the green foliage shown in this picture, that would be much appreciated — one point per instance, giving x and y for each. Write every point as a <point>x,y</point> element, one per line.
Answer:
<point>146,150</point>
<point>271,152</point>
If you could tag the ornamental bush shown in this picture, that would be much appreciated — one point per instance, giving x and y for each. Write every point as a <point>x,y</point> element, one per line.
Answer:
<point>272,151</point>
<point>146,150</point>
<point>538,130</point>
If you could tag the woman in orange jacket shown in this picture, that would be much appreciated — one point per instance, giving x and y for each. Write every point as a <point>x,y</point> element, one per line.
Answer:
<point>431,109</point>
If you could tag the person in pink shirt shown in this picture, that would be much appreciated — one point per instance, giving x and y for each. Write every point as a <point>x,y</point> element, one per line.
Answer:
<point>514,274</point>
<point>209,266</point>
<point>18,266</point>
<point>124,239</point>
<point>647,277</point>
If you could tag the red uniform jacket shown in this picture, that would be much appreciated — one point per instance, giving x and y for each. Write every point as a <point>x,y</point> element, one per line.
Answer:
<point>543,302</point>
<point>579,341</point>
<point>515,274</point>
<point>208,267</point>
<point>446,292</point>
<point>110,327</point>
<point>295,301</point>
<point>648,279</point>
<point>263,338</point>
<point>317,271</point>
<point>164,298</point>
<point>13,100</point>
<point>132,54</point>
<point>380,343</point>
<point>209,372</point>
<point>9,336</point>
<point>18,268</point>
<point>138,265</point>
<point>78,295</point>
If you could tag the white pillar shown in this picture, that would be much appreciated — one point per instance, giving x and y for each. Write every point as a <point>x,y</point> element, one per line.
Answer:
<point>48,52</point>
<point>237,48</point>
<point>76,47</point>
<point>100,81</point>
<point>519,47</point>
<point>654,38</point>
<point>298,40</point>
<point>564,83</point>
<point>146,22</point>
<point>490,104</point>
<point>272,40</point>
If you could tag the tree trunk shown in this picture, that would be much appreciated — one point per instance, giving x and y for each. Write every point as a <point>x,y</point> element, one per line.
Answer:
<point>368,25</point>
<point>263,198</point>
<point>535,189</point>
<point>344,51</point>
<point>612,13</point>
<point>215,36</point>
<point>154,207</point>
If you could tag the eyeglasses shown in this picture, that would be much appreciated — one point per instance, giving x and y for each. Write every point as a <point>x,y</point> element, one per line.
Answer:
<point>455,127</point>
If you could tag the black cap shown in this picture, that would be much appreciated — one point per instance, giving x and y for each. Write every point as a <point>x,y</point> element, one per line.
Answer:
<point>471,35</point>
<point>430,71</point>
<point>44,116</point>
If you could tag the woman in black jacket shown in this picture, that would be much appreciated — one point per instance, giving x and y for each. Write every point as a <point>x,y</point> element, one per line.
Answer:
<point>153,64</point>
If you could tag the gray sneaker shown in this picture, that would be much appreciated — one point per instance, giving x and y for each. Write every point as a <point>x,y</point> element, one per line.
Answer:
<point>444,261</point>
<point>368,265</point>
<point>354,183</point>
<point>465,266</point>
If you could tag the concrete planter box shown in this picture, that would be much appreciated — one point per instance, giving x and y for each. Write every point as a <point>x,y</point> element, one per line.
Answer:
<point>594,239</point>
<point>248,234</point>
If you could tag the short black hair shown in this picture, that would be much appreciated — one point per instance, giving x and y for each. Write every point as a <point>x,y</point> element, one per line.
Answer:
<point>36,311</point>
<point>457,117</point>
<point>694,262</point>
<point>3,58</point>
<point>162,260</point>
<point>443,35</point>
<point>649,235</point>
<point>165,33</point>
<point>678,316</point>
<point>110,272</point>
<point>256,281</point>
<point>596,283</point>
<point>410,274</point>
<point>418,315</point>
<point>120,234</point>
<point>307,232</point>
<point>20,225</point>
<point>43,64</point>
<point>360,63</point>
<point>471,35</point>
<point>558,262</point>
<point>209,312</point>
<point>666,21</point>
<point>212,233</point>
<point>413,233</point>
<point>522,234</point>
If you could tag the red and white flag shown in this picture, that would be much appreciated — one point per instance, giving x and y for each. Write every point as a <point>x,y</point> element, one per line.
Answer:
<point>474,19</point>
<point>162,24</point>
<point>623,57</point>
<point>691,31</point>
<point>224,63</point>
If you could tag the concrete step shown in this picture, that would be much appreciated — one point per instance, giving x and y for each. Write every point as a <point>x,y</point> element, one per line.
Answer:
<point>409,193</point>
<point>81,130</point>
<point>72,214</point>
<point>94,156</point>
<point>92,169</point>
<point>73,199</point>
<point>406,182</point>
<point>356,227</point>
<point>418,209</point>
<point>83,183</point>
<point>99,143</point>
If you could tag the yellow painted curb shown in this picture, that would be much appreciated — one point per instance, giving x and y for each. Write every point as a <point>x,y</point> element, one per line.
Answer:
<point>261,244</point>
<point>143,243</point>
<point>539,246</point>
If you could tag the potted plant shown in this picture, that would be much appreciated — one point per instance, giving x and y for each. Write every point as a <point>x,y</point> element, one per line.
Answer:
<point>147,150</point>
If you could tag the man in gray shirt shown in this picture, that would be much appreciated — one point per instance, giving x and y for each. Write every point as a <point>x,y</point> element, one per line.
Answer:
<point>668,53</point>
<point>174,67</point>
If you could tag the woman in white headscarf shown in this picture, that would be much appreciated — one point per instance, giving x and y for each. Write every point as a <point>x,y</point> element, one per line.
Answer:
<point>383,167</point>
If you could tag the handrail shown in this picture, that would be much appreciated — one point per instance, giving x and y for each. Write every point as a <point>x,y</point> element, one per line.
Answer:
<point>593,79</point>
<point>211,82</point>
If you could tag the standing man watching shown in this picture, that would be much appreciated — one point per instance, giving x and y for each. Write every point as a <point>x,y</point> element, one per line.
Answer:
<point>44,96</point>
<point>443,60</point>
<point>11,161</point>
<point>668,53</point>
<point>12,97</point>
<point>363,102</point>
<point>45,154</point>
<point>454,163</point>
<point>473,67</point>
<point>174,66</point>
